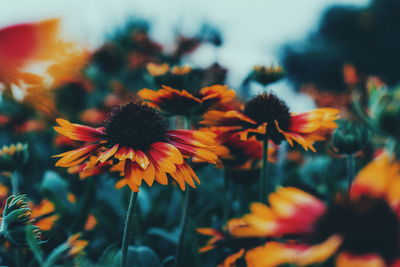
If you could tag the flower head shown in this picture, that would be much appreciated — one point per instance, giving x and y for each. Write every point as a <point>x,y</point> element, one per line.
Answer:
<point>182,102</point>
<point>137,135</point>
<point>17,221</point>
<point>13,156</point>
<point>362,228</point>
<point>267,75</point>
<point>349,137</point>
<point>76,245</point>
<point>266,116</point>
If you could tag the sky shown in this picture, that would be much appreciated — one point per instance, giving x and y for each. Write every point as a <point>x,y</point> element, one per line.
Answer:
<point>253,30</point>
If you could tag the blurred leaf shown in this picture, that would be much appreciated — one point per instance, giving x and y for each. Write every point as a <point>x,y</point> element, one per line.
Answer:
<point>171,237</point>
<point>142,257</point>
<point>33,244</point>
<point>168,261</point>
<point>56,254</point>
<point>144,202</point>
<point>109,256</point>
<point>56,189</point>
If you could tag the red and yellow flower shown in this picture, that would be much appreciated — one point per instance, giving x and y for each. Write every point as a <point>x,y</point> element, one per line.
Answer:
<point>39,42</point>
<point>182,102</point>
<point>137,135</point>
<point>266,116</point>
<point>362,230</point>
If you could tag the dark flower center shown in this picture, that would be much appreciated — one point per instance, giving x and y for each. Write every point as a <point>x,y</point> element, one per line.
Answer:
<point>269,108</point>
<point>368,225</point>
<point>135,125</point>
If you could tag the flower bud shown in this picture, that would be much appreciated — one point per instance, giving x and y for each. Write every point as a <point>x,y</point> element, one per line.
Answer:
<point>387,112</point>
<point>13,157</point>
<point>267,75</point>
<point>349,137</point>
<point>17,220</point>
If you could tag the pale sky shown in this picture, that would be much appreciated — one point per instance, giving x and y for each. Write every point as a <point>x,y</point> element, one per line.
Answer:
<point>253,30</point>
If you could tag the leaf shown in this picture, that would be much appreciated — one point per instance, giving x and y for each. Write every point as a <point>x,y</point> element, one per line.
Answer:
<point>56,254</point>
<point>171,237</point>
<point>33,244</point>
<point>142,257</point>
<point>110,255</point>
<point>56,189</point>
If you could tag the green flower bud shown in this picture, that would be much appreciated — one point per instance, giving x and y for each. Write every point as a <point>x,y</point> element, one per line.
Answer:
<point>349,137</point>
<point>267,75</point>
<point>17,221</point>
<point>13,157</point>
<point>386,113</point>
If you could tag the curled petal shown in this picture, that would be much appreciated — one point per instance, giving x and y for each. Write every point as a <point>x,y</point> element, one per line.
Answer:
<point>78,132</point>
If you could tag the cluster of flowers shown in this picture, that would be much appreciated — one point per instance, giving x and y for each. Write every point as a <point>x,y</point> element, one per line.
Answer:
<point>169,131</point>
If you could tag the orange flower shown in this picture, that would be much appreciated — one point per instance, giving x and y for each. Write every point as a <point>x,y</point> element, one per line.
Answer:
<point>181,102</point>
<point>23,44</point>
<point>266,116</point>
<point>237,154</point>
<point>136,135</point>
<point>76,245</point>
<point>362,230</point>
<point>44,214</point>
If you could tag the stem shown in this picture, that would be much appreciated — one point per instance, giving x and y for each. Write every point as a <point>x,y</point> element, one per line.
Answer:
<point>15,183</point>
<point>350,171</point>
<point>226,195</point>
<point>264,172</point>
<point>184,222</point>
<point>128,228</point>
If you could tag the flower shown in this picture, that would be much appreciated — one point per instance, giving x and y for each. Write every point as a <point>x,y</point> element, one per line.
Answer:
<point>228,247</point>
<point>157,69</point>
<point>267,75</point>
<point>44,214</point>
<point>76,246</point>
<point>181,102</point>
<point>13,157</point>
<point>237,154</point>
<point>350,137</point>
<point>22,43</point>
<point>17,221</point>
<point>384,109</point>
<point>267,116</point>
<point>38,42</point>
<point>137,135</point>
<point>361,229</point>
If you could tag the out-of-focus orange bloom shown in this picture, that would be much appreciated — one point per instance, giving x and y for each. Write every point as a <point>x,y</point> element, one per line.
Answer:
<point>76,245</point>
<point>181,102</point>
<point>44,214</point>
<point>91,222</point>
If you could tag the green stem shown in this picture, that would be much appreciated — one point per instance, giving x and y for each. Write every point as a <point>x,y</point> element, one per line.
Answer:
<point>19,257</point>
<point>182,234</point>
<point>264,172</point>
<point>15,177</point>
<point>226,195</point>
<point>350,161</point>
<point>128,228</point>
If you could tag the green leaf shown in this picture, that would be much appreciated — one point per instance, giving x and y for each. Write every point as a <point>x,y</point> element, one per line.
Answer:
<point>56,255</point>
<point>56,190</point>
<point>109,257</point>
<point>171,237</point>
<point>33,244</point>
<point>142,257</point>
